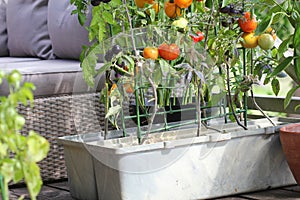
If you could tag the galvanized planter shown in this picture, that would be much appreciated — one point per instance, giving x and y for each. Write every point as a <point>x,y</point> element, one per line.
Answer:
<point>176,165</point>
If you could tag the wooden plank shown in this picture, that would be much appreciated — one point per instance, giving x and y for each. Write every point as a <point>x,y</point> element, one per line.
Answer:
<point>295,188</point>
<point>274,194</point>
<point>45,193</point>
<point>59,185</point>
<point>230,198</point>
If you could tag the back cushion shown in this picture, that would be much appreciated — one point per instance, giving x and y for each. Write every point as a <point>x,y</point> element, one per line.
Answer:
<point>27,29</point>
<point>3,31</point>
<point>66,34</point>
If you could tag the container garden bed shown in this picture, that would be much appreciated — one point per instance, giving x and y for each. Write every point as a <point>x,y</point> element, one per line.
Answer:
<point>177,164</point>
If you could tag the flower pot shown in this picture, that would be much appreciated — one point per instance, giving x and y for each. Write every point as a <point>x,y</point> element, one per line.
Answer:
<point>212,165</point>
<point>290,140</point>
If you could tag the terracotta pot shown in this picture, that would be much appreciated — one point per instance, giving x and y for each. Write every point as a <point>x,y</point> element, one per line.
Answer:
<point>290,140</point>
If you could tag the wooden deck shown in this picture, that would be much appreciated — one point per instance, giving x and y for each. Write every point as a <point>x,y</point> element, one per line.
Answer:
<point>60,191</point>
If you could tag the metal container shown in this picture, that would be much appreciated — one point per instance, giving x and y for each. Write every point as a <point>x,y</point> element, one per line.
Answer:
<point>176,164</point>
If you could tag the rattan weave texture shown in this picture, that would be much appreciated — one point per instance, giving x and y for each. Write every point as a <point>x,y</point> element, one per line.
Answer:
<point>53,117</point>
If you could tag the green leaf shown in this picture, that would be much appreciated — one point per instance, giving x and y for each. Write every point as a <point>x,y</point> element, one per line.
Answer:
<point>289,96</point>
<point>296,38</point>
<point>284,46</point>
<point>282,66</point>
<point>104,68</point>
<point>113,111</point>
<point>37,147</point>
<point>164,66</point>
<point>81,18</point>
<point>32,178</point>
<point>108,17</point>
<point>275,86</point>
<point>89,64</point>
<point>101,30</point>
<point>264,24</point>
<point>140,13</point>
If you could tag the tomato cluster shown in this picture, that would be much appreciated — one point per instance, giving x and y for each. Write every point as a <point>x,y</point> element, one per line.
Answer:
<point>248,25</point>
<point>165,51</point>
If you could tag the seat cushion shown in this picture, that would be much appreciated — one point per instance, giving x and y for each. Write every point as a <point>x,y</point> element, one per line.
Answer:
<point>66,34</point>
<point>27,29</point>
<point>51,77</point>
<point>3,31</point>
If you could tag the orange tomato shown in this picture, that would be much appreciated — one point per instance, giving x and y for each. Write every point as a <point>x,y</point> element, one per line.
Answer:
<point>150,53</point>
<point>247,24</point>
<point>183,3</point>
<point>141,3</point>
<point>168,52</point>
<point>171,9</point>
<point>155,6</point>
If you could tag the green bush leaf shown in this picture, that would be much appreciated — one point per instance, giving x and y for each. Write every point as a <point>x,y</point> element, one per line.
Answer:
<point>89,64</point>
<point>289,96</point>
<point>284,46</point>
<point>275,86</point>
<point>264,24</point>
<point>282,66</point>
<point>108,17</point>
<point>296,38</point>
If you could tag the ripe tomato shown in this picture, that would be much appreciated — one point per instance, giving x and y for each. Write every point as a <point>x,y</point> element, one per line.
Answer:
<point>155,7</point>
<point>141,3</point>
<point>150,53</point>
<point>197,38</point>
<point>250,40</point>
<point>247,24</point>
<point>266,41</point>
<point>168,52</point>
<point>183,3</point>
<point>171,9</point>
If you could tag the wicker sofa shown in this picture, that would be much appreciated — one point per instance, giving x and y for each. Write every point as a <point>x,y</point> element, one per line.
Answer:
<point>43,41</point>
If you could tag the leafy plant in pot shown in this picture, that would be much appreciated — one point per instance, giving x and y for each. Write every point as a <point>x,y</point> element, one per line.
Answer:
<point>289,11</point>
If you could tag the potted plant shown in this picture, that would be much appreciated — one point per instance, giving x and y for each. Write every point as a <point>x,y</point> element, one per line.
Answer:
<point>208,48</point>
<point>289,12</point>
<point>19,153</point>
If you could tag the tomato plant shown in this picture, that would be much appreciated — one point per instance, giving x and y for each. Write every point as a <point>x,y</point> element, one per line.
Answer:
<point>169,52</point>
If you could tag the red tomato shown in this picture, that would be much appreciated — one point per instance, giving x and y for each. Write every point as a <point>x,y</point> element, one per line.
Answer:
<point>197,38</point>
<point>169,52</point>
<point>247,24</point>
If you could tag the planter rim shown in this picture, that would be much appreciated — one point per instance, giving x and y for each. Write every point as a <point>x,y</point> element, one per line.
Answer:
<point>291,128</point>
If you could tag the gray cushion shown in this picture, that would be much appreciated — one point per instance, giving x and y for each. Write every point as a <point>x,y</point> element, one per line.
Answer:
<point>51,77</point>
<point>66,34</point>
<point>3,31</point>
<point>27,28</point>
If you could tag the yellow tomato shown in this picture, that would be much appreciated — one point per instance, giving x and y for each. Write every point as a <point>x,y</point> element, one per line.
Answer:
<point>249,40</point>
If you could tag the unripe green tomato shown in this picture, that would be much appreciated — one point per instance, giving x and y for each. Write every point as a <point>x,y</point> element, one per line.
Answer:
<point>266,41</point>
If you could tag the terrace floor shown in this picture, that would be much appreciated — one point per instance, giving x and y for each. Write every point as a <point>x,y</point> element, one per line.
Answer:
<point>60,191</point>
